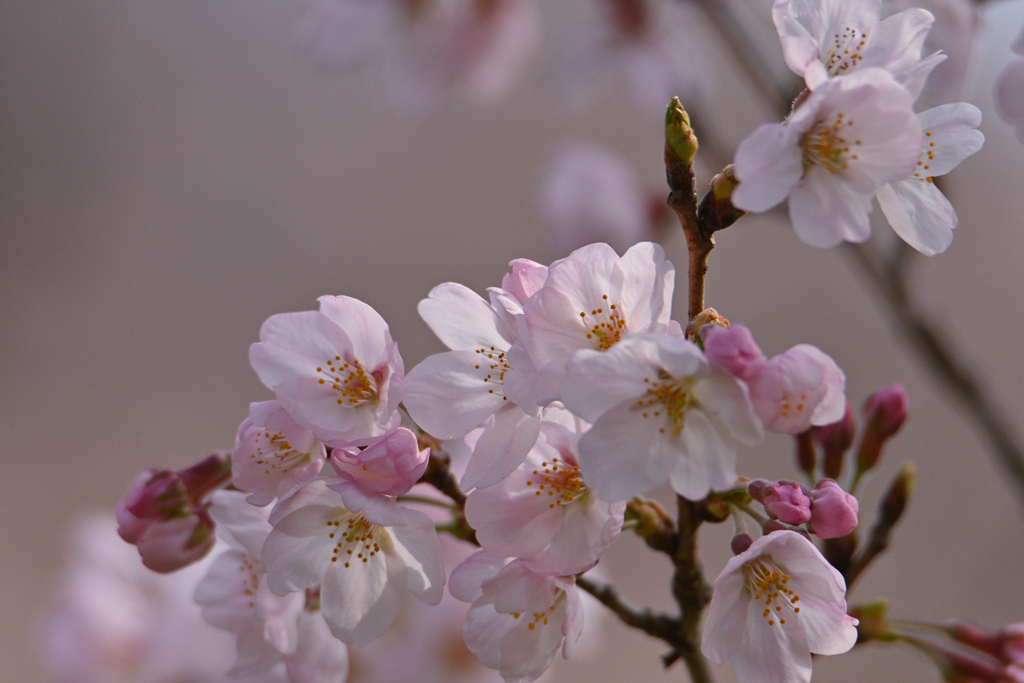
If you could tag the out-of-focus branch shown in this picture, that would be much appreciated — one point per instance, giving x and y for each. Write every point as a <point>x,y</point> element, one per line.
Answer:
<point>657,624</point>
<point>927,340</point>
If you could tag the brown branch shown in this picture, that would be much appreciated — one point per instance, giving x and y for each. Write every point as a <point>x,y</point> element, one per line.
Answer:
<point>657,624</point>
<point>890,509</point>
<point>691,591</point>
<point>932,346</point>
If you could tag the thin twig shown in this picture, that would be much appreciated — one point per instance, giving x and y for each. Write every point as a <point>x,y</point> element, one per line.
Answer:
<point>657,624</point>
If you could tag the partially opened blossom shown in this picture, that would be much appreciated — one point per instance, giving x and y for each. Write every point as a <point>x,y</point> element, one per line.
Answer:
<point>914,206</point>
<point>791,391</point>
<point>390,467</point>
<point>164,513</point>
<point>544,511</point>
<point>773,605</point>
<point>787,501</point>
<point>364,549</point>
<point>590,300</point>
<point>660,412</point>
<point>519,618</point>
<point>273,453</point>
<point>644,48</point>
<point>822,39</point>
<point>481,381</point>
<point>849,138</point>
<point>336,370</point>
<point>588,194</point>
<point>833,510</point>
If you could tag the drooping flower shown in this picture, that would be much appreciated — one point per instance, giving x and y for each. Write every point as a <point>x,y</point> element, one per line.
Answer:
<point>773,605</point>
<point>365,551</point>
<point>519,618</point>
<point>849,138</point>
<point>791,391</point>
<point>544,511</point>
<point>660,411</point>
<point>914,206</point>
<point>590,300</point>
<point>273,453</point>
<point>481,381</point>
<point>164,513</point>
<point>336,370</point>
<point>823,39</point>
<point>588,194</point>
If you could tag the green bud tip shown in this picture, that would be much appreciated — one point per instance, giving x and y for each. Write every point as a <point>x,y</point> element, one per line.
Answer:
<point>678,133</point>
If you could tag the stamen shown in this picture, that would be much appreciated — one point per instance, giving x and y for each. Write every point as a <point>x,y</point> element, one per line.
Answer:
<point>765,579</point>
<point>605,326</point>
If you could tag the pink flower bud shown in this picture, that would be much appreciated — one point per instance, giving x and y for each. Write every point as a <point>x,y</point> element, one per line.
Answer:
<point>835,440</point>
<point>740,543</point>
<point>391,466</point>
<point>1012,641</point>
<point>756,489</point>
<point>733,348</point>
<point>833,510</point>
<point>885,411</point>
<point>787,502</point>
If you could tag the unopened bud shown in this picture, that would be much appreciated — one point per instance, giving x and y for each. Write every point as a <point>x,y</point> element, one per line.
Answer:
<point>679,135</point>
<point>716,210</point>
<point>897,495</point>
<point>839,551</point>
<point>740,543</point>
<point>885,411</point>
<point>787,502</point>
<point>714,508</point>
<point>975,636</point>
<point>207,475</point>
<point>708,316</point>
<point>806,454</point>
<point>833,510</point>
<point>653,523</point>
<point>874,621</point>
<point>835,440</point>
<point>756,489</point>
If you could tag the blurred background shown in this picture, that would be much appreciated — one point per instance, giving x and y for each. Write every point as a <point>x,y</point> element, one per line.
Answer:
<point>171,174</point>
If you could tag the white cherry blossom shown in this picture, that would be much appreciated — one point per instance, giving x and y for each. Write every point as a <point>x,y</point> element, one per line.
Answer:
<point>773,605</point>
<point>660,412</point>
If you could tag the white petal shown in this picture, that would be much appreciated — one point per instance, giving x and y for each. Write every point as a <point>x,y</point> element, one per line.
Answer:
<point>461,319</point>
<point>506,439</point>
<point>467,577</point>
<point>642,284</point>
<point>707,459</point>
<point>826,211</point>
<point>243,526</point>
<point>298,550</point>
<point>768,164</point>
<point>416,543</point>
<point>728,398</point>
<point>448,394</point>
<point>369,334</point>
<point>950,136</point>
<point>727,618</point>
<point>771,654</point>
<point>920,214</point>
<point>361,601</point>
<point>1010,95</point>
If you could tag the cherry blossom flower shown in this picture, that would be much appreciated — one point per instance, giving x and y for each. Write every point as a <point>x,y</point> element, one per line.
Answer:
<point>390,467</point>
<point>273,453</point>
<point>365,549</point>
<point>519,618</point>
<point>428,49</point>
<point>822,39</point>
<point>645,47</point>
<point>849,138</point>
<point>787,501</point>
<point>914,207</point>
<point>336,371</point>
<point>660,411</point>
<point>588,194</point>
<point>792,391</point>
<point>544,511</point>
<point>481,381</point>
<point>164,513</point>
<point>592,298</point>
<point>833,510</point>
<point>112,620</point>
<point>773,605</point>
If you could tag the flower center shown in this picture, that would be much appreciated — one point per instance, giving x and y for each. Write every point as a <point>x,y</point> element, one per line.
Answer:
<point>542,618</point>
<point>359,540</point>
<point>787,404</point>
<point>273,452</point>
<point>768,583</point>
<point>605,325</point>
<point>557,478</point>
<point>845,51</point>
<point>825,145</point>
<point>669,396</point>
<point>926,158</point>
<point>250,570</point>
<point>354,385</point>
<point>495,363</point>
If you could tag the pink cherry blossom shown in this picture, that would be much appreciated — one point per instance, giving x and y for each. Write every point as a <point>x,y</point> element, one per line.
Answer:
<point>590,300</point>
<point>390,467</point>
<point>273,453</point>
<point>588,194</point>
<point>164,513</point>
<point>476,48</point>
<point>336,371</point>
<point>365,549</point>
<point>644,48</point>
<point>914,207</point>
<point>660,411</point>
<point>833,510</point>
<point>787,501</point>
<point>111,620</point>
<point>849,138</point>
<point>544,511</point>
<point>773,605</point>
<point>822,39</point>
<point>519,618</point>
<point>524,280</point>
<point>486,379</point>
<point>792,391</point>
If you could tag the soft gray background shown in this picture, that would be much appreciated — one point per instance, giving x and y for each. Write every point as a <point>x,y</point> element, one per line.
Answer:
<point>170,176</point>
